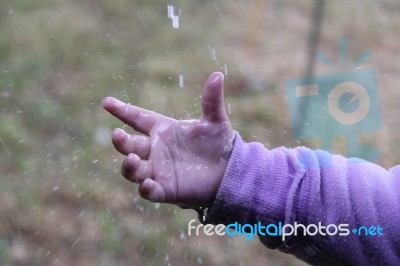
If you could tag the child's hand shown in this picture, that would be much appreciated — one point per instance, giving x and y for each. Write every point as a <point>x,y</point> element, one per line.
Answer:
<point>176,161</point>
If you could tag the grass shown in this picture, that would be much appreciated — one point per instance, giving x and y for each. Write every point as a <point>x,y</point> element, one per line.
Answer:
<point>62,200</point>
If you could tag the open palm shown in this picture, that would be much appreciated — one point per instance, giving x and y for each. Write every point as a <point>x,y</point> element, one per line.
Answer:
<point>176,161</point>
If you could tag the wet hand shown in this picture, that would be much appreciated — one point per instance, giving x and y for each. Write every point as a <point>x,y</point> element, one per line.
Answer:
<point>176,161</point>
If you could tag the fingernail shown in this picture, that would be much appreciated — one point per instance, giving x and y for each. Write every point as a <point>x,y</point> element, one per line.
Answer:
<point>118,137</point>
<point>214,77</point>
<point>118,131</point>
<point>106,101</point>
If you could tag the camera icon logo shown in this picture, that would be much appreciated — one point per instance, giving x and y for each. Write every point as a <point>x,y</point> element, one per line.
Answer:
<point>340,104</point>
<point>357,92</point>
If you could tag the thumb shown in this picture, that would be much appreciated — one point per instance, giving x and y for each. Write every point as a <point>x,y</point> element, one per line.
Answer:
<point>213,99</point>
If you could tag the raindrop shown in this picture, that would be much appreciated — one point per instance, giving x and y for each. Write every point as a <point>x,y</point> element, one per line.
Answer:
<point>182,235</point>
<point>55,188</point>
<point>212,51</point>
<point>173,14</point>
<point>226,70</point>
<point>5,147</point>
<point>219,12</point>
<point>76,241</point>
<point>181,81</point>
<point>142,21</point>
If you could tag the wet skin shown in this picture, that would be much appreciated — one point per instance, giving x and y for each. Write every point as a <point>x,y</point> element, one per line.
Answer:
<point>176,161</point>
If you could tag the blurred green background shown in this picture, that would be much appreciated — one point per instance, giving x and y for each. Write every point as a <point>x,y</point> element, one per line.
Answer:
<point>62,199</point>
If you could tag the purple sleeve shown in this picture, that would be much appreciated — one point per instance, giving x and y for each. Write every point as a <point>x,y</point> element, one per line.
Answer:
<point>310,187</point>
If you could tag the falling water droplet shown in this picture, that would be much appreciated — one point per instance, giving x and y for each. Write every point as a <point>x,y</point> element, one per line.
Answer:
<point>219,12</point>
<point>181,81</point>
<point>226,70</point>
<point>173,14</point>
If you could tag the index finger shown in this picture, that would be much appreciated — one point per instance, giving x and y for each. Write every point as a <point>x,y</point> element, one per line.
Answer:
<point>141,120</point>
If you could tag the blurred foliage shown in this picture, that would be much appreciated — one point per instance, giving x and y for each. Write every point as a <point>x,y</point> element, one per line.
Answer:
<point>62,200</point>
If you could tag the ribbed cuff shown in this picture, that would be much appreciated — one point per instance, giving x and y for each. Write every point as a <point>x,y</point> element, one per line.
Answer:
<point>256,185</point>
